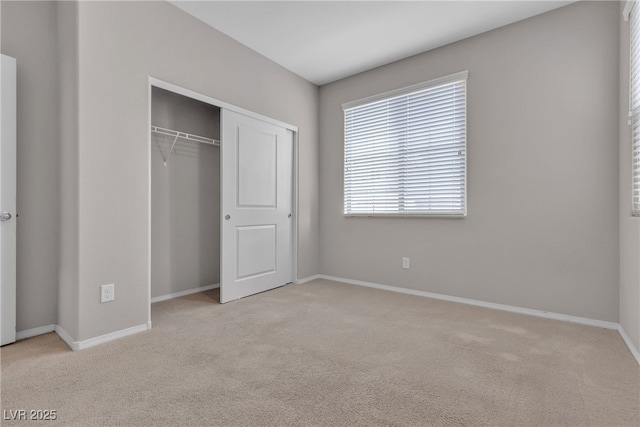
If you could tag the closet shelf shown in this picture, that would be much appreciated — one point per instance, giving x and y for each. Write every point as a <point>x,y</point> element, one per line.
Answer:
<point>183,135</point>
<point>187,137</point>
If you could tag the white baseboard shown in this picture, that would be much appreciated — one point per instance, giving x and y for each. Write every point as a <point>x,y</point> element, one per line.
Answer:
<point>41,330</point>
<point>520,310</point>
<point>91,342</point>
<point>66,338</point>
<point>468,301</point>
<point>307,279</point>
<point>80,345</point>
<point>632,348</point>
<point>183,293</point>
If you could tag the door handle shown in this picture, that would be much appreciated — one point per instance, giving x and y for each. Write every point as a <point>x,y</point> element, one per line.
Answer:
<point>5,216</point>
<point>227,217</point>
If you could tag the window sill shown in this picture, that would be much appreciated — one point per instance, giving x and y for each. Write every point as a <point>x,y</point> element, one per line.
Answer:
<point>387,215</point>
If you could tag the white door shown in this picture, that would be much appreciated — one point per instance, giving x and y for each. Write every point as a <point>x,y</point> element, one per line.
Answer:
<point>7,200</point>
<point>257,198</point>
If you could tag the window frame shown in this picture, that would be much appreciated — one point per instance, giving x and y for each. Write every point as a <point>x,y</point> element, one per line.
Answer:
<point>462,76</point>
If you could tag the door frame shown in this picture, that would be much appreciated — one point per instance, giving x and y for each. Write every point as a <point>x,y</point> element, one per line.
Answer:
<point>154,82</point>
<point>8,158</point>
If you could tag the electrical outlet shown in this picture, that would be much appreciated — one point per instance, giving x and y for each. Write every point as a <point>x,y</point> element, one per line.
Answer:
<point>107,292</point>
<point>405,263</point>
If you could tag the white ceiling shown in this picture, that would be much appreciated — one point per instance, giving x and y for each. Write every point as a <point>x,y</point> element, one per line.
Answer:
<point>324,41</point>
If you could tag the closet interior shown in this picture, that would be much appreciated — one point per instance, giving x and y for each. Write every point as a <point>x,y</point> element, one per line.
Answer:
<point>185,195</point>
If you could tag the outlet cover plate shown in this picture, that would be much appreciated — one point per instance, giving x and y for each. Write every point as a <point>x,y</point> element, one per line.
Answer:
<point>405,263</point>
<point>107,292</point>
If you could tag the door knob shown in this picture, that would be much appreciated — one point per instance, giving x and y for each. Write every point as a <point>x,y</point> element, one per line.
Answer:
<point>289,216</point>
<point>227,217</point>
<point>5,216</point>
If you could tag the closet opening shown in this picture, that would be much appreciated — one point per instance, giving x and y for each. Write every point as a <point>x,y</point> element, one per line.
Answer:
<point>185,195</point>
<point>223,197</point>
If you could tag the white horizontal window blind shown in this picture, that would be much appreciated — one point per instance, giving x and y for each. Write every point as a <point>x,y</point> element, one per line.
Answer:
<point>634,109</point>
<point>405,151</point>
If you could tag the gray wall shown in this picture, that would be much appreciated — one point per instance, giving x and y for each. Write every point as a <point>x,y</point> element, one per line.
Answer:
<point>185,196</point>
<point>69,252</point>
<point>629,225</point>
<point>120,45</point>
<point>542,225</point>
<point>29,35</point>
<point>543,171</point>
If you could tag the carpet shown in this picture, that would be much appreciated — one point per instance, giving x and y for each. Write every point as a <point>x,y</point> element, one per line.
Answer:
<point>329,354</point>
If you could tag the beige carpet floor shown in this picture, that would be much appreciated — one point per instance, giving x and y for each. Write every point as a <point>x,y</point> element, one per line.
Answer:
<point>330,354</point>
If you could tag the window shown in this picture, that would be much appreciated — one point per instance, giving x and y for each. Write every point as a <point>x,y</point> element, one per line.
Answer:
<point>634,106</point>
<point>405,151</point>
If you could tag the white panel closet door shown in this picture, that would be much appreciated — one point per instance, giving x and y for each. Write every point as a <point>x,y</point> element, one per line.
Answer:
<point>257,184</point>
<point>7,200</point>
